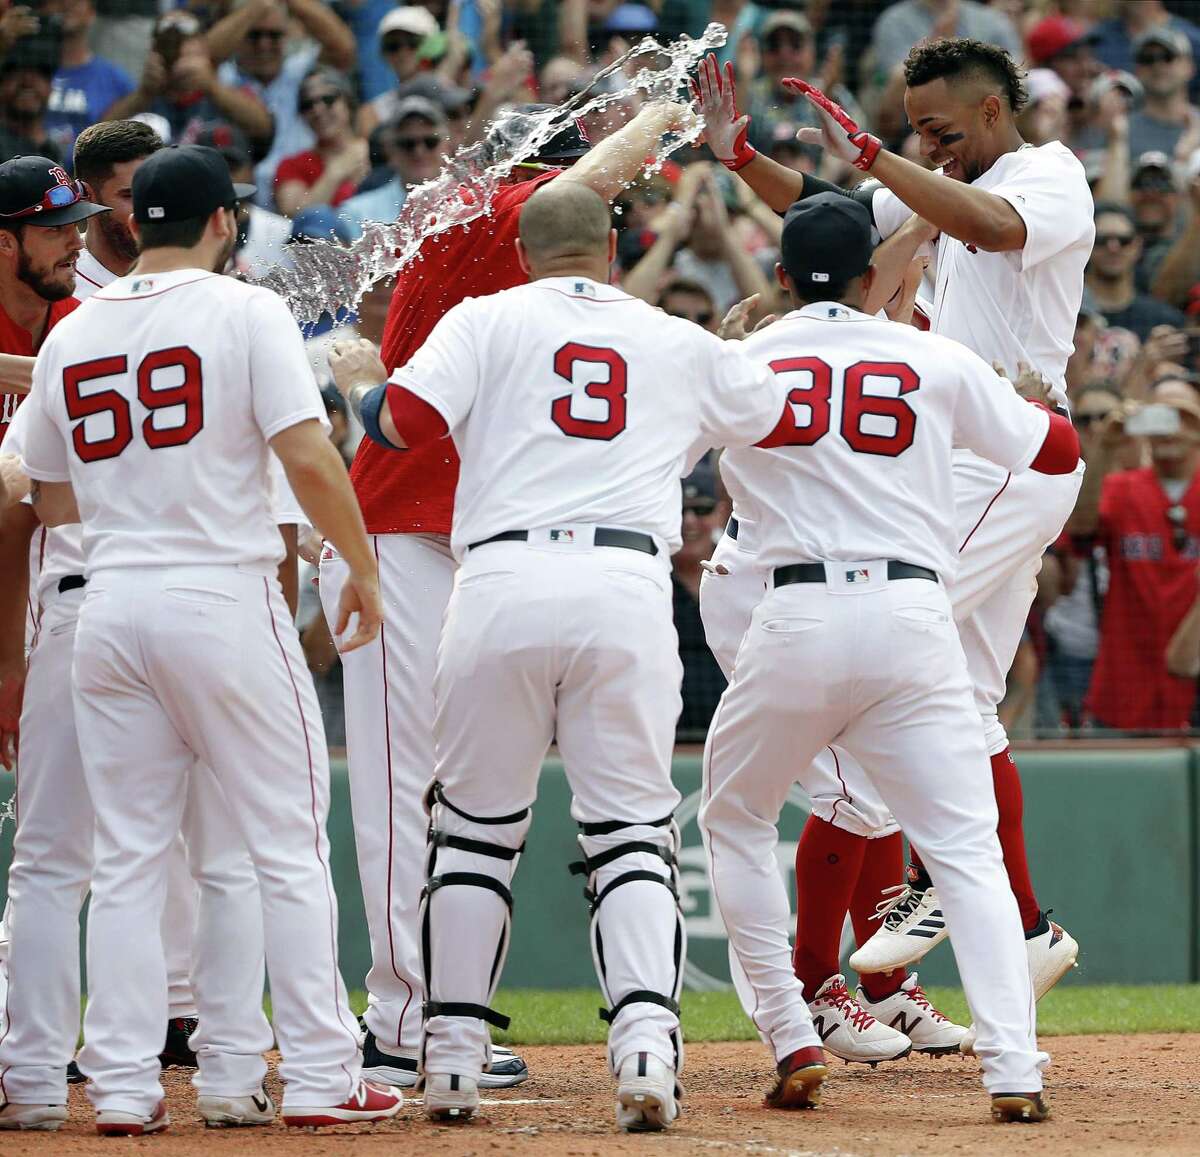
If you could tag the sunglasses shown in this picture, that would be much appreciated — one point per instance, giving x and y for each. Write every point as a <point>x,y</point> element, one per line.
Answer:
<point>699,506</point>
<point>702,317</point>
<point>412,144</point>
<point>1150,58</point>
<point>56,197</point>
<point>779,41</point>
<point>1122,239</point>
<point>1082,421</point>
<point>1177,517</point>
<point>328,99</point>
<point>399,43</point>
<point>274,35</point>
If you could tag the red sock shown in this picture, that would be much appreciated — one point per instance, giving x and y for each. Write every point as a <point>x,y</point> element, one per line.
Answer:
<point>1010,803</point>
<point>883,867</point>
<point>828,861</point>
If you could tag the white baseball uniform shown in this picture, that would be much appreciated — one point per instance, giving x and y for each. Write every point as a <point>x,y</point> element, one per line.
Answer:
<point>572,406</point>
<point>1008,308</point>
<point>157,405</point>
<point>868,656</point>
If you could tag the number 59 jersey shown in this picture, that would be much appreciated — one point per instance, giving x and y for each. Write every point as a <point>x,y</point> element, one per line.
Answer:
<point>571,402</point>
<point>156,403</point>
<point>879,408</point>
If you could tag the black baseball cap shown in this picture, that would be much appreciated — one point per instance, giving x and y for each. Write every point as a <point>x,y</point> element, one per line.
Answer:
<point>826,240</point>
<point>39,191</point>
<point>568,144</point>
<point>184,183</point>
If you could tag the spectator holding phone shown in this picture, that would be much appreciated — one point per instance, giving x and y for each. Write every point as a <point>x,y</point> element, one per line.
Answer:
<point>1149,523</point>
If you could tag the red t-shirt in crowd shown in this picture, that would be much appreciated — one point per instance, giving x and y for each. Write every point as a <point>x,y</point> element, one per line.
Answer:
<point>412,491</point>
<point>307,168</point>
<point>15,339</point>
<point>1151,586</point>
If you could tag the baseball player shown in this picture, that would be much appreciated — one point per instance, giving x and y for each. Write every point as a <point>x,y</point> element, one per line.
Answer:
<point>150,420</point>
<point>856,530</point>
<point>1012,226</point>
<point>407,502</point>
<point>559,626</point>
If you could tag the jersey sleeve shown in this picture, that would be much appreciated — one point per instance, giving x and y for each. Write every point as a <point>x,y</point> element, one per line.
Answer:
<point>989,416</point>
<point>44,452</point>
<point>743,400</point>
<point>888,211</point>
<point>444,372</point>
<point>282,385</point>
<point>1055,204</point>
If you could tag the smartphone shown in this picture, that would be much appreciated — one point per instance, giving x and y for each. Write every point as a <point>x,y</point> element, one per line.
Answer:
<point>1153,420</point>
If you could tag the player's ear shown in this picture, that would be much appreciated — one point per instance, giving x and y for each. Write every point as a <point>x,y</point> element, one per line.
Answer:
<point>781,276</point>
<point>991,110</point>
<point>523,258</point>
<point>135,229</point>
<point>868,279</point>
<point>612,246</point>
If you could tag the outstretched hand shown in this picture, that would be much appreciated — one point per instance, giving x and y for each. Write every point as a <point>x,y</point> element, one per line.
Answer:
<point>839,132</point>
<point>724,129</point>
<point>733,326</point>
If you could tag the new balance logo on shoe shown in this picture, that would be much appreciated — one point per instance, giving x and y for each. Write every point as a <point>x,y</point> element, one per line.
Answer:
<point>823,1032</point>
<point>901,1023</point>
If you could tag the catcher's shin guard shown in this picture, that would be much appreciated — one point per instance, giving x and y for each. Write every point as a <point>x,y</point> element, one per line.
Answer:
<point>466,911</point>
<point>638,937</point>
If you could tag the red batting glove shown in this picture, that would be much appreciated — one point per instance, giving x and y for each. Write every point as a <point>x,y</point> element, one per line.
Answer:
<point>724,129</point>
<point>838,134</point>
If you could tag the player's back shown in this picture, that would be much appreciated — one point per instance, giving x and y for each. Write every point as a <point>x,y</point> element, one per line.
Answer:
<point>879,409</point>
<point>166,388</point>
<point>572,402</point>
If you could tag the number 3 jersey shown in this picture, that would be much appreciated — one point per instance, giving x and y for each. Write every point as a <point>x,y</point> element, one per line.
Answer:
<point>878,407</point>
<point>572,402</point>
<point>156,403</point>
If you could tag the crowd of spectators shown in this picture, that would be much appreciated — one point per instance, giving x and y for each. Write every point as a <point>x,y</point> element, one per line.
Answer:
<point>335,110</point>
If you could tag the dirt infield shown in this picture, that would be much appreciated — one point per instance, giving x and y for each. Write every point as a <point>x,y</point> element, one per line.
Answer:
<point>1110,1095</point>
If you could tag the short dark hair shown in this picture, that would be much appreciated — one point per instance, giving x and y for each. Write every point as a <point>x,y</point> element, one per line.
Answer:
<point>171,234</point>
<point>952,58</point>
<point>685,285</point>
<point>331,77</point>
<point>1114,207</point>
<point>102,146</point>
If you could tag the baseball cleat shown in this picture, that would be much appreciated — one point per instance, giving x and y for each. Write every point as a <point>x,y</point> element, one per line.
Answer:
<point>913,923</point>
<point>113,1123</point>
<point>1021,1108</point>
<point>1052,954</point>
<point>399,1071</point>
<point>225,1112</point>
<point>646,1094</point>
<point>908,1011</point>
<point>849,1031</point>
<point>450,1097</point>
<point>369,1102</point>
<point>506,1071</point>
<point>34,1118</point>
<point>177,1051</point>
<point>74,1076</point>
<point>800,1077</point>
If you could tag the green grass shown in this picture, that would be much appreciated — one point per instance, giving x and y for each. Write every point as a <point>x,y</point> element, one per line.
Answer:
<point>568,1016</point>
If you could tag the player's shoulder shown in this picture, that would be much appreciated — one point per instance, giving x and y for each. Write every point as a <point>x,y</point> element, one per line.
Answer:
<point>1053,160</point>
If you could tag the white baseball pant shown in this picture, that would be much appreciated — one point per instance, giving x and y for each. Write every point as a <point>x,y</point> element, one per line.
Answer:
<point>893,685</point>
<point>389,749</point>
<point>1004,524</point>
<point>575,643</point>
<point>51,874</point>
<point>204,662</point>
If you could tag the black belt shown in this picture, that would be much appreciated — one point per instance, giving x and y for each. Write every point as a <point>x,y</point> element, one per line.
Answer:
<point>731,528</point>
<point>71,582</point>
<point>603,536</point>
<point>814,572</point>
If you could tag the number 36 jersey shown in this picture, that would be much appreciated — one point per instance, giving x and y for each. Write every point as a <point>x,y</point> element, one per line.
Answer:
<point>156,403</point>
<point>571,402</point>
<point>879,408</point>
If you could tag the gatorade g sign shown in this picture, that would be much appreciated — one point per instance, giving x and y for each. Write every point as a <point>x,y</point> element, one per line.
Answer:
<point>707,966</point>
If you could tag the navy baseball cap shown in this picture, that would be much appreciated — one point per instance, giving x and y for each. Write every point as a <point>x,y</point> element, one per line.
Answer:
<point>39,191</point>
<point>826,240</point>
<point>184,183</point>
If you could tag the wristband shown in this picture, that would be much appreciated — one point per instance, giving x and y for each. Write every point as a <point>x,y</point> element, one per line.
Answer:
<point>744,153</point>
<point>366,401</point>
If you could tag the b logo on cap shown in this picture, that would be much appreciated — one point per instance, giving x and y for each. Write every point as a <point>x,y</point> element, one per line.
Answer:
<point>60,175</point>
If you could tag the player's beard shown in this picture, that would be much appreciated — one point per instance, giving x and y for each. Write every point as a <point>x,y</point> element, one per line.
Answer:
<point>120,239</point>
<point>49,286</point>
<point>222,261</point>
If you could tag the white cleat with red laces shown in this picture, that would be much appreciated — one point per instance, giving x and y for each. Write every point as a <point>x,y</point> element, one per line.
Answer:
<point>909,1011</point>
<point>849,1031</point>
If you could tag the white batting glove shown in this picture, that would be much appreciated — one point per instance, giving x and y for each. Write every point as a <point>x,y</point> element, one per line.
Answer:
<point>839,133</point>
<point>724,130</point>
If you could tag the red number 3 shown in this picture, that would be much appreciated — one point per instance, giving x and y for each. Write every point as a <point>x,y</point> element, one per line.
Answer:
<point>611,391</point>
<point>187,393</point>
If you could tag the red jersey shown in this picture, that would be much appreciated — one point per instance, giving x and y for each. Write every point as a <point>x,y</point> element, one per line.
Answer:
<point>412,491</point>
<point>1151,586</point>
<point>14,339</point>
<point>308,168</point>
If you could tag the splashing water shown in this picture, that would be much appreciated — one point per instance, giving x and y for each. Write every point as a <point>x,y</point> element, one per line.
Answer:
<point>326,276</point>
